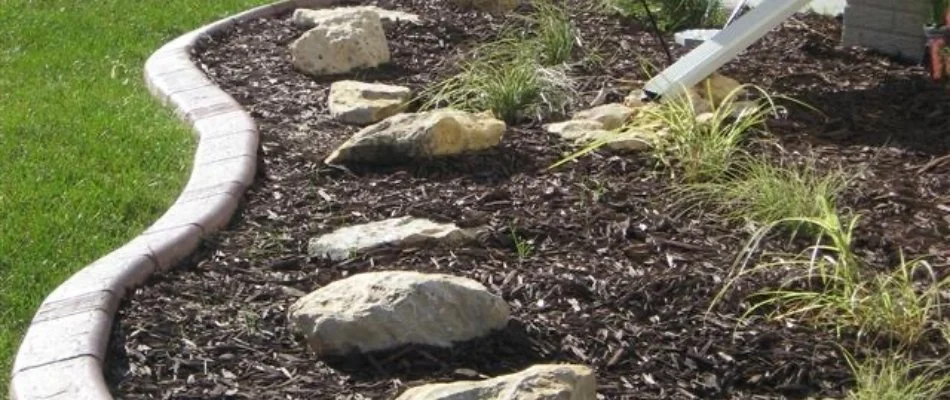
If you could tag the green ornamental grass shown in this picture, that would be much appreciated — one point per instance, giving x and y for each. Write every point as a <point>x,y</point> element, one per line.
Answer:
<point>760,192</point>
<point>896,378</point>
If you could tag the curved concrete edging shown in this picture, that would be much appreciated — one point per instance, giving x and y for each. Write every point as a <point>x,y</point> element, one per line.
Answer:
<point>63,352</point>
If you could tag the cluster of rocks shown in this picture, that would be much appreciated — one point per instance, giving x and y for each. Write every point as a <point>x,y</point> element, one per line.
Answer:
<point>385,310</point>
<point>344,39</point>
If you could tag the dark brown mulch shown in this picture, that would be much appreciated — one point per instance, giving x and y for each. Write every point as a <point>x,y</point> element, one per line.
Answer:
<point>616,280</point>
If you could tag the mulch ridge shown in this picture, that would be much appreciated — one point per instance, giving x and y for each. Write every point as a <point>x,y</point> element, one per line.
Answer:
<point>616,280</point>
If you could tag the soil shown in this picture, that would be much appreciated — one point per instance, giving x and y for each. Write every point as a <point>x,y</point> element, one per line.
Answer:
<point>616,279</point>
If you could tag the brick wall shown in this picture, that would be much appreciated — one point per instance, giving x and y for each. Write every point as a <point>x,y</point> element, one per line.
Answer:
<point>892,27</point>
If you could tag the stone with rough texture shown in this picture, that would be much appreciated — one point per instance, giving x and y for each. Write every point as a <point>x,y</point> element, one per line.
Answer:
<point>716,88</point>
<point>384,310</point>
<point>583,132</point>
<point>540,382</point>
<point>341,42</point>
<point>342,243</point>
<point>612,116</point>
<point>409,136</point>
<point>492,6</point>
<point>362,103</point>
<point>305,18</point>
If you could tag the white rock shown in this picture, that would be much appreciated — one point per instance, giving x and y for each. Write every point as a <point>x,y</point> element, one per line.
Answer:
<point>341,42</point>
<point>305,18</point>
<point>583,132</point>
<point>366,103</point>
<point>540,382</point>
<point>612,116</point>
<point>428,134</point>
<point>383,310</point>
<point>342,243</point>
<point>573,129</point>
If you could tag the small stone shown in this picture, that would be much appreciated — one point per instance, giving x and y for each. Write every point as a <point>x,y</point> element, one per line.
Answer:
<point>305,18</point>
<point>412,136</point>
<point>343,243</point>
<point>611,116</point>
<point>705,118</point>
<point>634,100</point>
<point>384,310</point>
<point>628,140</point>
<point>366,103</point>
<point>583,132</point>
<point>716,88</point>
<point>340,42</point>
<point>573,129</point>
<point>540,382</point>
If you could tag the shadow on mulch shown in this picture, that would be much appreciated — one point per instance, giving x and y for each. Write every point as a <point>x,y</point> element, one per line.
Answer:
<point>506,351</point>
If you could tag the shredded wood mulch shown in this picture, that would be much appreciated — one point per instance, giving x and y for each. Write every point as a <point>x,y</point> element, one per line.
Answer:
<point>617,279</point>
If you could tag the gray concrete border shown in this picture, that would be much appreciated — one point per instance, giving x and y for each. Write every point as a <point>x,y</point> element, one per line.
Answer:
<point>63,352</point>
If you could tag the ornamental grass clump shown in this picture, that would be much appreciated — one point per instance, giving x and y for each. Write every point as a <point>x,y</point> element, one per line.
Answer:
<point>554,34</point>
<point>704,146</point>
<point>760,193</point>
<point>522,74</point>
<point>828,285</point>
<point>896,378</point>
<point>696,141</point>
<point>511,90</point>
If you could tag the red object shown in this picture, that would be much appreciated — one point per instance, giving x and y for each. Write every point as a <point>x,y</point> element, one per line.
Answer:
<point>937,45</point>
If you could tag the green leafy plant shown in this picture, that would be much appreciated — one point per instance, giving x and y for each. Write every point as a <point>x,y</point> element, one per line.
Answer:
<point>825,284</point>
<point>509,89</point>
<point>896,378</point>
<point>673,15</point>
<point>523,247</point>
<point>554,34</point>
<point>762,193</point>
<point>698,143</point>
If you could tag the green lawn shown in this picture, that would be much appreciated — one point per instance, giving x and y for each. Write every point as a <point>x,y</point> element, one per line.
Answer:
<point>87,157</point>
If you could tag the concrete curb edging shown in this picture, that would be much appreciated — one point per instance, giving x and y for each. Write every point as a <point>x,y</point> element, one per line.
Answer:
<point>63,352</point>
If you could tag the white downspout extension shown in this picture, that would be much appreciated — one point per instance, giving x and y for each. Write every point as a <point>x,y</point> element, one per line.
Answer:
<point>721,48</point>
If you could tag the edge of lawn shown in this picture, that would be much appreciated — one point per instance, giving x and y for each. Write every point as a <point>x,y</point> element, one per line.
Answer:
<point>90,157</point>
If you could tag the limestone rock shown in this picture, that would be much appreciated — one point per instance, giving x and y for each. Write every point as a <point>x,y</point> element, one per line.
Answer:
<point>409,136</point>
<point>574,129</point>
<point>584,131</point>
<point>342,243</point>
<point>540,382</point>
<point>492,6</point>
<point>305,18</point>
<point>340,42</point>
<point>634,100</point>
<point>383,310</point>
<point>716,88</point>
<point>366,103</point>
<point>612,116</point>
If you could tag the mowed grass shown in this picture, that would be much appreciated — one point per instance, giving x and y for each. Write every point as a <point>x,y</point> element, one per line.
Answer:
<point>87,158</point>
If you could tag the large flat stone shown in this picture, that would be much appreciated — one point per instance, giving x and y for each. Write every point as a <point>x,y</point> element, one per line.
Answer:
<point>540,382</point>
<point>342,243</point>
<point>361,103</point>
<point>384,310</point>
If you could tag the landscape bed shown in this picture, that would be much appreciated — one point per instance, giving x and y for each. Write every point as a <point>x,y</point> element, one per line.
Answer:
<point>597,259</point>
